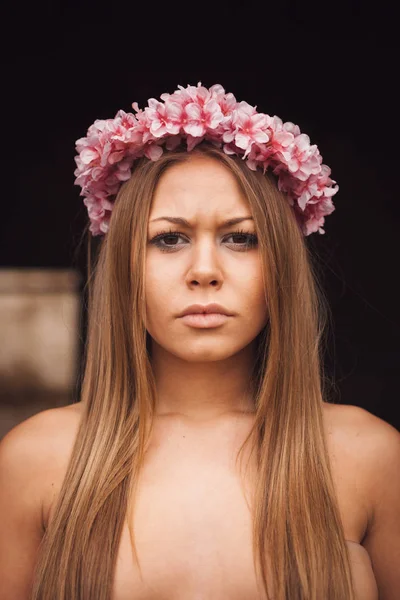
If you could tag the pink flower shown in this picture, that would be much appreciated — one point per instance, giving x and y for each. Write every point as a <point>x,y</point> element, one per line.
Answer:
<point>186,95</point>
<point>198,119</point>
<point>153,151</point>
<point>199,95</point>
<point>301,158</point>
<point>105,156</point>
<point>227,102</point>
<point>247,127</point>
<point>163,118</point>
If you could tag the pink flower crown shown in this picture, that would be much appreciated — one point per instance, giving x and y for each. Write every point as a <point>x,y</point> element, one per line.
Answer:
<point>106,154</point>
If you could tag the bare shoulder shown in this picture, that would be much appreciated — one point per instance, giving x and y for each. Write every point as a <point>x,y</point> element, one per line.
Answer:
<point>373,445</point>
<point>373,438</point>
<point>360,422</point>
<point>39,446</point>
<point>43,431</point>
<point>357,422</point>
<point>377,444</point>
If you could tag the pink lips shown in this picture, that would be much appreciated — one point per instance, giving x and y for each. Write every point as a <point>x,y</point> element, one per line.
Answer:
<point>205,309</point>
<point>205,316</point>
<point>205,321</point>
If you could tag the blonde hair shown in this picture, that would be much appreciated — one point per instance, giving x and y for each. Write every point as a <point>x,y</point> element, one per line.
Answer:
<point>295,504</point>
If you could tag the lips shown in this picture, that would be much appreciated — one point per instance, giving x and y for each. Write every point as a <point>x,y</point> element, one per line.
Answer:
<point>205,309</point>
<point>205,320</point>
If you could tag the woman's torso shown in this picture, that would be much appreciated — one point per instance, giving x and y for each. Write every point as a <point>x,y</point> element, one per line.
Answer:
<point>192,523</point>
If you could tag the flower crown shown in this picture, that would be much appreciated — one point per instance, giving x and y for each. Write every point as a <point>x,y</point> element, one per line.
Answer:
<point>107,153</point>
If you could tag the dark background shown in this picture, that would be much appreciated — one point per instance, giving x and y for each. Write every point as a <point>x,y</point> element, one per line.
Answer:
<point>331,69</point>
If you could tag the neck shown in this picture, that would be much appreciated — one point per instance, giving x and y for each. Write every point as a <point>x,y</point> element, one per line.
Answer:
<point>203,391</point>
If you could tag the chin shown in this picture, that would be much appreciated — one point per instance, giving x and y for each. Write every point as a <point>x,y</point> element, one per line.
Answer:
<point>214,352</point>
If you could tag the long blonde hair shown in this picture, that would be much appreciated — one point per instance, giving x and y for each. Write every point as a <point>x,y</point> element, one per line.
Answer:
<point>295,504</point>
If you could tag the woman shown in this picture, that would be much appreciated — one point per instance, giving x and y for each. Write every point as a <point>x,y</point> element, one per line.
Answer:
<point>205,322</point>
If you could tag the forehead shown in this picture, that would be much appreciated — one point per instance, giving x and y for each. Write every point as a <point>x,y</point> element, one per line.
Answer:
<point>200,187</point>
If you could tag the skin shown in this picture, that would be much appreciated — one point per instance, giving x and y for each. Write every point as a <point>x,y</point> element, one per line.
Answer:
<point>202,374</point>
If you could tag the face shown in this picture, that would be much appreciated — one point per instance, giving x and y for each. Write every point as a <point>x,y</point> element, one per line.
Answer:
<point>202,262</point>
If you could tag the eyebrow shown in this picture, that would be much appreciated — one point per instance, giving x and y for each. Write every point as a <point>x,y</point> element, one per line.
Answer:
<point>185,223</point>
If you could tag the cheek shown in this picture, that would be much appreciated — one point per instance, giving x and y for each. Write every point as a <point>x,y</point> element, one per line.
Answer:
<point>251,279</point>
<point>160,290</point>
<point>253,294</point>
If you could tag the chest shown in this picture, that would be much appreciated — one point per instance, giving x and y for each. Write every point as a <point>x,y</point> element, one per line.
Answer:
<point>192,521</point>
<point>192,527</point>
<point>193,524</point>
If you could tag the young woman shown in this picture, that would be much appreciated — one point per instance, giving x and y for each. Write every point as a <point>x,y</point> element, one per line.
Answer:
<point>203,357</point>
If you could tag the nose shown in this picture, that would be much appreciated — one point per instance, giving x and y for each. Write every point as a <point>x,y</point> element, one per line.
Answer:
<point>205,268</point>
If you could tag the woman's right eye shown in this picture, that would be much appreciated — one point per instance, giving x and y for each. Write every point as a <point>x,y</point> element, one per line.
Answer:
<point>161,236</point>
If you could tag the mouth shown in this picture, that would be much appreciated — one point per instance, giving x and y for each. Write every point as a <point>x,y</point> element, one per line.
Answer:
<point>205,320</point>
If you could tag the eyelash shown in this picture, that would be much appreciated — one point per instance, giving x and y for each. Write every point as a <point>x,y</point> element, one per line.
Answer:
<point>156,240</point>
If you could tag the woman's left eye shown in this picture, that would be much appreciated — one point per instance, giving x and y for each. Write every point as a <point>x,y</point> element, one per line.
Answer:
<point>250,240</point>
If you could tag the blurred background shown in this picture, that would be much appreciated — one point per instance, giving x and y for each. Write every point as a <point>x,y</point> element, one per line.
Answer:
<point>329,68</point>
